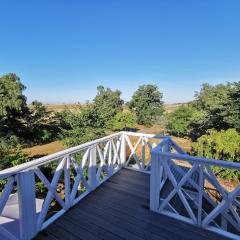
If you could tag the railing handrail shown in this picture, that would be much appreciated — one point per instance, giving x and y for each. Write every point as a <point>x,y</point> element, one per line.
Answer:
<point>189,158</point>
<point>52,157</point>
<point>55,156</point>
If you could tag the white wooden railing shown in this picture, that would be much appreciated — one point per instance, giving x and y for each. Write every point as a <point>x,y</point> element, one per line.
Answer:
<point>182,187</point>
<point>47,187</point>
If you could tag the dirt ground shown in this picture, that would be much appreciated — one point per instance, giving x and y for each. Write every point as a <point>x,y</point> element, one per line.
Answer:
<point>45,149</point>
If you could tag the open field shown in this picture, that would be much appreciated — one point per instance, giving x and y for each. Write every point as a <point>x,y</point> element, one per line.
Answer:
<point>75,107</point>
<point>172,107</point>
<point>62,107</point>
<point>45,149</point>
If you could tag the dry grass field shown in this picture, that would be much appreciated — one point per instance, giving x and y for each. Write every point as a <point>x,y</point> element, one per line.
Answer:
<point>76,107</point>
<point>62,107</point>
<point>45,149</point>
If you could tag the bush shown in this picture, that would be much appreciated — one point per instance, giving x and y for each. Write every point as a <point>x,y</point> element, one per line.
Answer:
<point>122,121</point>
<point>11,153</point>
<point>147,104</point>
<point>81,127</point>
<point>178,122</point>
<point>220,145</point>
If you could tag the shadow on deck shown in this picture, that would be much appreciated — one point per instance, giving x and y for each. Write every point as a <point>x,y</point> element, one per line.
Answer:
<point>119,209</point>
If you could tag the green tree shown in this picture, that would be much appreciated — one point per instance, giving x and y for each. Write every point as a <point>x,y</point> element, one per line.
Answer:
<point>123,121</point>
<point>220,145</point>
<point>212,101</point>
<point>232,107</point>
<point>40,125</point>
<point>107,104</point>
<point>12,105</point>
<point>80,127</point>
<point>147,104</point>
<point>11,153</point>
<point>179,121</point>
<point>93,120</point>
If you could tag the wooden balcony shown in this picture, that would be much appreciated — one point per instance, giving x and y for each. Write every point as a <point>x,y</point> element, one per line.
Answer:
<point>123,186</point>
<point>119,209</point>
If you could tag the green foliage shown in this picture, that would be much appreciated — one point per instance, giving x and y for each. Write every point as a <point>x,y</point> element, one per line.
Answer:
<point>232,107</point>
<point>220,145</point>
<point>92,122</point>
<point>179,121</point>
<point>147,104</point>
<point>11,97</point>
<point>81,127</point>
<point>106,105</point>
<point>123,121</point>
<point>41,126</point>
<point>11,153</point>
<point>12,105</point>
<point>219,105</point>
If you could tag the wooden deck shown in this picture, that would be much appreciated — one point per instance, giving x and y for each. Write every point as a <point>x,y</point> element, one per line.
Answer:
<point>119,209</point>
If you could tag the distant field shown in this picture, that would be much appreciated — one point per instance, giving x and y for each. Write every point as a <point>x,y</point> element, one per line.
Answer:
<point>76,107</point>
<point>45,149</point>
<point>172,107</point>
<point>62,107</point>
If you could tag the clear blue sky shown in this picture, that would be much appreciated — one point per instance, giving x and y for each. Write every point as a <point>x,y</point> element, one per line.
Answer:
<point>63,49</point>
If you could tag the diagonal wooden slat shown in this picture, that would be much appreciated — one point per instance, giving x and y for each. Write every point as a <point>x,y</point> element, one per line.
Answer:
<point>6,192</point>
<point>133,151</point>
<point>50,194</point>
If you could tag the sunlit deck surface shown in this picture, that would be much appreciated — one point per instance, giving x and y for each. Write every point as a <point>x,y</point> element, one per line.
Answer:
<point>119,209</point>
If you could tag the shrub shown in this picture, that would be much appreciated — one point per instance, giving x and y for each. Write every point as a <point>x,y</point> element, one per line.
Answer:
<point>11,153</point>
<point>178,122</point>
<point>220,145</point>
<point>123,121</point>
<point>147,104</point>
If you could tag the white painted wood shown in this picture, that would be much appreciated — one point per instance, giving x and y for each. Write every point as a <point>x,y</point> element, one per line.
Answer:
<point>155,180</point>
<point>109,164</point>
<point>67,188</point>
<point>133,152</point>
<point>123,149</point>
<point>54,157</point>
<point>92,169</point>
<point>205,161</point>
<point>200,195</point>
<point>114,153</point>
<point>5,193</point>
<point>143,153</point>
<point>27,205</point>
<point>51,194</point>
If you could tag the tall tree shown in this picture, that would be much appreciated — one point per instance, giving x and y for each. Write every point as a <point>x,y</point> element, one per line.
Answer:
<point>232,107</point>
<point>220,106</point>
<point>147,104</point>
<point>107,104</point>
<point>12,104</point>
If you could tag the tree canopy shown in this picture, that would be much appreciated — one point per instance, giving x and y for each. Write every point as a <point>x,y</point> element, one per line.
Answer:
<point>11,95</point>
<point>215,107</point>
<point>220,145</point>
<point>147,104</point>
<point>107,104</point>
<point>180,120</point>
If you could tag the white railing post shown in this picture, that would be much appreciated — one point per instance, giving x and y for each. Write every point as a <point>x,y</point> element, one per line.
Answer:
<point>123,149</point>
<point>92,169</point>
<point>67,190</point>
<point>166,148</point>
<point>27,204</point>
<point>200,195</point>
<point>155,180</point>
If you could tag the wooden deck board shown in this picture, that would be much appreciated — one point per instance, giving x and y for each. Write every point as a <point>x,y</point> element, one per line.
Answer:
<point>119,209</point>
